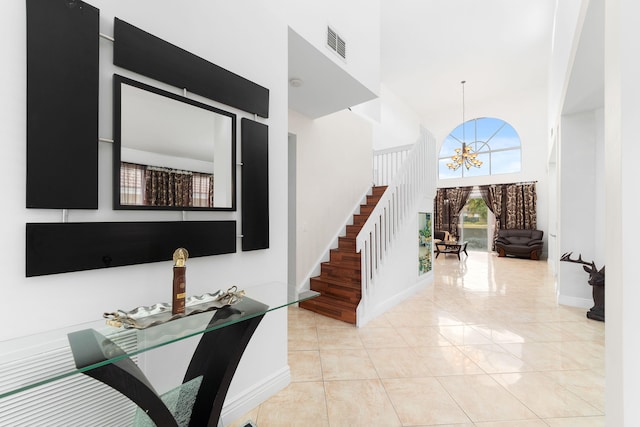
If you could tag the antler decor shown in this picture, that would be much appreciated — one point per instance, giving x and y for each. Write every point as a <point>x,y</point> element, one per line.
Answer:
<point>567,257</point>
<point>596,280</point>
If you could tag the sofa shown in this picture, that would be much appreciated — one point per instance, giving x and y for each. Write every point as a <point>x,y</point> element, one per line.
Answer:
<point>520,243</point>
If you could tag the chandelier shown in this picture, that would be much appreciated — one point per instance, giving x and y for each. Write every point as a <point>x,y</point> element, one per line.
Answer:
<point>464,156</point>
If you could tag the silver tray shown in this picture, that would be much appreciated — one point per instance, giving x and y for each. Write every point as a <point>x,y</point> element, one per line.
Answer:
<point>147,316</point>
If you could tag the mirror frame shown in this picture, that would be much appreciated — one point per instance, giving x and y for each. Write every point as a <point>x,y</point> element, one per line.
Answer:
<point>118,80</point>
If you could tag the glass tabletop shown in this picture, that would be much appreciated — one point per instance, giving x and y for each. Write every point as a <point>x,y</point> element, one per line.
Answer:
<point>55,345</point>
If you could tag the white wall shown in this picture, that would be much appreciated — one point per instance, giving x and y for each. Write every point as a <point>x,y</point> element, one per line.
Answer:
<point>568,19</point>
<point>244,38</point>
<point>398,124</point>
<point>334,158</point>
<point>581,204</point>
<point>398,278</point>
<point>622,109</point>
<point>163,160</point>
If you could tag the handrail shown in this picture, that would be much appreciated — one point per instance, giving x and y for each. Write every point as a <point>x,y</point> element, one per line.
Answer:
<point>406,171</point>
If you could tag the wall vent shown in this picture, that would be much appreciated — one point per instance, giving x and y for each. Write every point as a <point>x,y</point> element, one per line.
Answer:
<point>336,43</point>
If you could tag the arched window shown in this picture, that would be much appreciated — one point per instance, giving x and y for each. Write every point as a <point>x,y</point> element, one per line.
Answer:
<point>495,141</point>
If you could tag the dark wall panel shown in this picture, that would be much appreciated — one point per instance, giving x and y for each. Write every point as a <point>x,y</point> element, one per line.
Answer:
<point>255,185</point>
<point>146,54</point>
<point>65,247</point>
<point>62,104</point>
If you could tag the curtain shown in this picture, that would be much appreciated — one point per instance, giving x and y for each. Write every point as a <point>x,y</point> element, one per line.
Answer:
<point>513,205</point>
<point>492,196</point>
<point>439,222</point>
<point>155,186</point>
<point>448,204</point>
<point>520,206</point>
<point>166,187</point>
<point>457,199</point>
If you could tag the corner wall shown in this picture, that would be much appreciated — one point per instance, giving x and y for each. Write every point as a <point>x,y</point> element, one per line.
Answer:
<point>334,158</point>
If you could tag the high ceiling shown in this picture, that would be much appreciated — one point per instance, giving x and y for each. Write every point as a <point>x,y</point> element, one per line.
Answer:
<point>429,46</point>
<point>498,46</point>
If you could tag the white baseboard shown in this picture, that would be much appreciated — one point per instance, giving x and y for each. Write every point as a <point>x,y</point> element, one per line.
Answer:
<point>383,306</point>
<point>238,405</point>
<point>575,301</point>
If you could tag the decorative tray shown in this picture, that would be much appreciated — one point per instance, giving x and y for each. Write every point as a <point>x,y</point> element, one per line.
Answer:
<point>147,316</point>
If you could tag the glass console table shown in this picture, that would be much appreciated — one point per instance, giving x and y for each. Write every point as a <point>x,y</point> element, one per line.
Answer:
<point>103,353</point>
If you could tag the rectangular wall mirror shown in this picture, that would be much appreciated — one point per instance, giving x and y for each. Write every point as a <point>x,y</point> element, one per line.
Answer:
<point>170,152</point>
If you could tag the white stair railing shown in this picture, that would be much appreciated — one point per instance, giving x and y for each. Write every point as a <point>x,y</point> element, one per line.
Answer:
<point>386,163</point>
<point>407,171</point>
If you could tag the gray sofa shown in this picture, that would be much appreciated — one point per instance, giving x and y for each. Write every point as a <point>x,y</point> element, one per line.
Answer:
<point>520,243</point>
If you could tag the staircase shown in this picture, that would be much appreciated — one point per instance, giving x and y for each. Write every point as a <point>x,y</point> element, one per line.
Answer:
<point>340,279</point>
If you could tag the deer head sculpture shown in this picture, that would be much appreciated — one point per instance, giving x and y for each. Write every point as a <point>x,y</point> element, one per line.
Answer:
<point>596,277</point>
<point>596,280</point>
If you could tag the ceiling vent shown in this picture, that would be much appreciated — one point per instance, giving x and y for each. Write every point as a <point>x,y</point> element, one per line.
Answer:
<point>336,43</point>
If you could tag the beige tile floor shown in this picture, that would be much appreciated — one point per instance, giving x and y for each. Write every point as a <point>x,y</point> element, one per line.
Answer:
<point>484,345</point>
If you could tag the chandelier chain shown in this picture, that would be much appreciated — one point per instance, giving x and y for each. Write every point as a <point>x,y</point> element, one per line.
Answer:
<point>464,156</point>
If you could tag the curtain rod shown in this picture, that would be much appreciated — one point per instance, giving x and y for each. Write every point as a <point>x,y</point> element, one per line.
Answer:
<point>488,185</point>
<point>170,170</point>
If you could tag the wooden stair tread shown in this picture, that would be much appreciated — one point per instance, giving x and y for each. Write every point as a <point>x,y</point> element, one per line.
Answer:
<point>352,280</point>
<point>339,282</point>
<point>347,265</point>
<point>323,299</point>
<point>334,281</point>
<point>331,308</point>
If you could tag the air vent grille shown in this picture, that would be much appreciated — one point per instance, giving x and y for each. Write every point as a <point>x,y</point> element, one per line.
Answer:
<point>336,43</point>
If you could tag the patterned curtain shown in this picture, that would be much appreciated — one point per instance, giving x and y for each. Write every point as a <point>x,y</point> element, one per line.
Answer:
<point>520,206</point>
<point>168,188</point>
<point>439,222</point>
<point>492,196</point>
<point>513,205</point>
<point>457,199</point>
<point>448,204</point>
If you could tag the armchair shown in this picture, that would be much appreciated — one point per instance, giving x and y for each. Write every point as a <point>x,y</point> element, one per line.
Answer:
<point>520,243</point>
<point>440,236</point>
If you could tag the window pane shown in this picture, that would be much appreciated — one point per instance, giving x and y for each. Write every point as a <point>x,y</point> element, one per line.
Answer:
<point>506,161</point>
<point>445,172</point>
<point>506,138</point>
<point>486,127</point>
<point>482,170</point>
<point>495,141</point>
<point>448,147</point>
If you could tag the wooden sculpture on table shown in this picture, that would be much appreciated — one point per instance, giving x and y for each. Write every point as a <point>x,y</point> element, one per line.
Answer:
<point>179,281</point>
<point>596,280</point>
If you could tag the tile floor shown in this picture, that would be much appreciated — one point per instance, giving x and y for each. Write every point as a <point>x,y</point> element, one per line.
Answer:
<point>484,345</point>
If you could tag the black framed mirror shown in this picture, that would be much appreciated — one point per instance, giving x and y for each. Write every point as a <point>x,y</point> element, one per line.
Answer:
<point>171,152</point>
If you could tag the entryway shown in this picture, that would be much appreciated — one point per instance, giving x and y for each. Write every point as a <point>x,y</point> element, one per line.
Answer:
<point>475,223</point>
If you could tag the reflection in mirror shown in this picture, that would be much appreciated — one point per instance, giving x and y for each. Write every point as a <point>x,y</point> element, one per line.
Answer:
<point>171,152</point>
